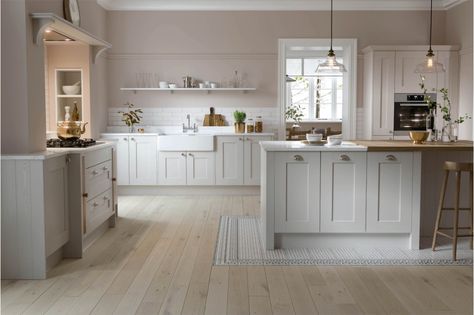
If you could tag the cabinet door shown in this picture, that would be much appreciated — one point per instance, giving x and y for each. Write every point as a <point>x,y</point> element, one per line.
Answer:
<point>201,168</point>
<point>406,80</point>
<point>143,160</point>
<point>389,191</point>
<point>123,168</point>
<point>172,168</point>
<point>56,204</point>
<point>252,159</point>
<point>297,183</point>
<point>230,160</point>
<point>343,191</point>
<point>383,89</point>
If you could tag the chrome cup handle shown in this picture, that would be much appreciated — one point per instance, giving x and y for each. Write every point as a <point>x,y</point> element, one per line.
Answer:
<point>344,157</point>
<point>298,157</point>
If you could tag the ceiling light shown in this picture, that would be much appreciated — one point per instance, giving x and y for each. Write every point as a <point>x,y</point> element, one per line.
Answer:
<point>48,30</point>
<point>289,79</point>
<point>331,66</point>
<point>67,39</point>
<point>430,65</point>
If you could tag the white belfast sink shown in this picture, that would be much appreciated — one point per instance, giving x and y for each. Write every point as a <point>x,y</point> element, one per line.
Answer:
<point>186,142</point>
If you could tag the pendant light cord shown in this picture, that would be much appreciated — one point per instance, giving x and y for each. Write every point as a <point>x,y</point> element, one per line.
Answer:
<point>431,21</point>
<point>331,22</point>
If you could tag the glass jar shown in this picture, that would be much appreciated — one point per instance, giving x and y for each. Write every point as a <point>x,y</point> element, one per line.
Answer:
<point>259,124</point>
<point>250,126</point>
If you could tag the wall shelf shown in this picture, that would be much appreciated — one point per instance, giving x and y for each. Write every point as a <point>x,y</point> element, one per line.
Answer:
<point>69,96</point>
<point>43,21</point>
<point>207,90</point>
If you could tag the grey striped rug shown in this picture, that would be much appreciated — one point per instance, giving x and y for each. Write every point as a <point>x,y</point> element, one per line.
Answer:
<point>239,243</point>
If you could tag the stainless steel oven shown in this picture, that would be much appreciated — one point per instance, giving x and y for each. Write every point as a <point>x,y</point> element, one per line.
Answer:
<point>410,113</point>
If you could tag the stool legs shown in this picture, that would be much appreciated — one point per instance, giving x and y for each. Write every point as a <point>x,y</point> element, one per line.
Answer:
<point>456,214</point>
<point>440,208</point>
<point>472,209</point>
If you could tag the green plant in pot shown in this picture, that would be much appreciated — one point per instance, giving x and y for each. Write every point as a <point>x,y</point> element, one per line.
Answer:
<point>239,124</point>
<point>131,117</point>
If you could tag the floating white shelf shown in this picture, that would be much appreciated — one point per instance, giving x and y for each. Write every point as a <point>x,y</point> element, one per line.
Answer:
<point>69,96</point>
<point>207,90</point>
<point>42,21</point>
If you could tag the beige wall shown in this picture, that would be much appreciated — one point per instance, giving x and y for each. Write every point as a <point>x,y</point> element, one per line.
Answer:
<point>210,45</point>
<point>23,110</point>
<point>459,31</point>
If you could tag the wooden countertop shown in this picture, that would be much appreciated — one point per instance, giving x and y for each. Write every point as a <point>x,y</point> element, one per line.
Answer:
<point>406,145</point>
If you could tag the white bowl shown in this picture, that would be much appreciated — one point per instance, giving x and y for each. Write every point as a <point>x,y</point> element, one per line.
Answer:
<point>334,140</point>
<point>314,137</point>
<point>71,89</point>
<point>164,84</point>
<point>172,85</point>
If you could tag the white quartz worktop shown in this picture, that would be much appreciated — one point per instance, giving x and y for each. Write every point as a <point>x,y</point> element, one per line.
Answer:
<point>283,146</point>
<point>54,152</point>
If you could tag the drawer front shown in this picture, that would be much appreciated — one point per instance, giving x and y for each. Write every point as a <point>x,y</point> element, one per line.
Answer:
<point>97,157</point>
<point>98,179</point>
<point>98,210</point>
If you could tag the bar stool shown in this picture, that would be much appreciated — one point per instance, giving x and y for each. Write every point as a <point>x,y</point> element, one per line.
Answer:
<point>458,168</point>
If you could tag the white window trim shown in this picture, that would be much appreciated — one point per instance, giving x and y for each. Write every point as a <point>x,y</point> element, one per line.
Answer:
<point>349,105</point>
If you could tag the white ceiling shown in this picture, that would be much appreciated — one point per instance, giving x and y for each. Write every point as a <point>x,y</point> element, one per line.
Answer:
<point>274,5</point>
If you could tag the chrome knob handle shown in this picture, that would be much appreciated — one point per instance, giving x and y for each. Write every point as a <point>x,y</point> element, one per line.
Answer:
<point>344,157</point>
<point>105,198</point>
<point>390,157</point>
<point>133,139</point>
<point>190,154</point>
<point>95,204</point>
<point>94,172</point>
<point>298,158</point>
<point>240,139</point>
<point>104,168</point>
<point>248,139</point>
<point>125,139</point>
<point>183,154</point>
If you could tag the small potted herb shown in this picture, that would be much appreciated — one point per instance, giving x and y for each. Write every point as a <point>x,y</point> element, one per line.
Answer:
<point>239,124</point>
<point>131,117</point>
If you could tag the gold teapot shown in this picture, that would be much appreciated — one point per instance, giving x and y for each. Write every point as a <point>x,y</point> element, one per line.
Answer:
<point>70,130</point>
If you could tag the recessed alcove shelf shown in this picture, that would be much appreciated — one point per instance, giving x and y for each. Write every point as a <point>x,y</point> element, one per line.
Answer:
<point>43,21</point>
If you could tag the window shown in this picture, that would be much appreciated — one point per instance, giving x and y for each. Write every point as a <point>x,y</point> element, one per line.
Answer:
<point>319,97</point>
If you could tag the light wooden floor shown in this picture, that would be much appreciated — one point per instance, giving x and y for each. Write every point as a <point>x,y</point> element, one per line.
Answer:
<point>159,260</point>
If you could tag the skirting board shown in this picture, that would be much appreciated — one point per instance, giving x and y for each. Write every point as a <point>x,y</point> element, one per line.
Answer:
<point>189,190</point>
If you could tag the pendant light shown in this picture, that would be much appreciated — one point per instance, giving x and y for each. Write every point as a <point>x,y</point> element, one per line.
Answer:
<point>331,66</point>
<point>289,79</point>
<point>430,65</point>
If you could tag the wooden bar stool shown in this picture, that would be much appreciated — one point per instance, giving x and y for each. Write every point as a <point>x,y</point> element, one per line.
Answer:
<point>458,168</point>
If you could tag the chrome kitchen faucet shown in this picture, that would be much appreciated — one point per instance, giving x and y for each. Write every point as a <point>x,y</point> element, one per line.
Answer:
<point>186,128</point>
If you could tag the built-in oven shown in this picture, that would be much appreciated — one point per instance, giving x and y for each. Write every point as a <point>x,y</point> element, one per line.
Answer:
<point>410,113</point>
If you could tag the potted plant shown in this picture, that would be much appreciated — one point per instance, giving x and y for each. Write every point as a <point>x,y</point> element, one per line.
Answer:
<point>295,113</point>
<point>239,124</point>
<point>131,117</point>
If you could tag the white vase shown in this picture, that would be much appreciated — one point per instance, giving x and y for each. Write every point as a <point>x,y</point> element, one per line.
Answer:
<point>67,115</point>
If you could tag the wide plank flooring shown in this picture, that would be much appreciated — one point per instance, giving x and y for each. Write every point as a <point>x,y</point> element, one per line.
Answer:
<point>158,260</point>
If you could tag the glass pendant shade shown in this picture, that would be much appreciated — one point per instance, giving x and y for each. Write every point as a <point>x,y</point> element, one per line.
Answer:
<point>289,79</point>
<point>430,65</point>
<point>330,66</point>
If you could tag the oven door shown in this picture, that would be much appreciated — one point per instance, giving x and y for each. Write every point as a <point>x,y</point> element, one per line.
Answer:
<point>410,116</point>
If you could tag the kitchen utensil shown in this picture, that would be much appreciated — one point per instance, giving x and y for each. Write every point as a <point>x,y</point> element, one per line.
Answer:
<point>202,85</point>
<point>71,89</point>
<point>70,130</point>
<point>213,85</point>
<point>334,140</point>
<point>187,82</point>
<point>419,137</point>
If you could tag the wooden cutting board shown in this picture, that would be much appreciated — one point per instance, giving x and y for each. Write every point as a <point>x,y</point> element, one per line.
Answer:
<point>214,120</point>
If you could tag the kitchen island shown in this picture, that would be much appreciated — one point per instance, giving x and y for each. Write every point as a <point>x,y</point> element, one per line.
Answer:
<point>359,194</point>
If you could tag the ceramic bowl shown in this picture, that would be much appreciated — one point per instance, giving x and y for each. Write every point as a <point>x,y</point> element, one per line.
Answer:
<point>314,137</point>
<point>71,89</point>
<point>163,84</point>
<point>419,137</point>
<point>334,140</point>
<point>172,86</point>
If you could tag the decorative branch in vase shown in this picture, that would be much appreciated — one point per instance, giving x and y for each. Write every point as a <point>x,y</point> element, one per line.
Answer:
<point>450,126</point>
<point>131,117</point>
<point>295,113</point>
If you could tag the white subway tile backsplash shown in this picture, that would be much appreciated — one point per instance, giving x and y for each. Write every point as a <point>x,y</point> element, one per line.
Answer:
<point>169,116</point>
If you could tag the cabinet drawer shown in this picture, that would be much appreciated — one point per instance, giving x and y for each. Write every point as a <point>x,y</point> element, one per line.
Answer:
<point>97,157</point>
<point>98,210</point>
<point>98,179</point>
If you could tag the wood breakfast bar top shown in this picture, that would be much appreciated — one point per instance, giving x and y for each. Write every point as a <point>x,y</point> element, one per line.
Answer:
<point>407,145</point>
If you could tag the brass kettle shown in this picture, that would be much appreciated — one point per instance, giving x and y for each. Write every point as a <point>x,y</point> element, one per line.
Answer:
<point>70,130</point>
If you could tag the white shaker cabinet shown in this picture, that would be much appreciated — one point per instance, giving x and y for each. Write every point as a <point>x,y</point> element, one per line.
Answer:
<point>252,159</point>
<point>383,93</point>
<point>297,190</point>
<point>143,159</point>
<point>200,168</point>
<point>136,159</point>
<point>172,168</point>
<point>343,191</point>
<point>230,160</point>
<point>389,192</point>
<point>406,79</point>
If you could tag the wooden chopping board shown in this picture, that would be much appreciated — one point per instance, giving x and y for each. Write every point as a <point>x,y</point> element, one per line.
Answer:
<point>214,120</point>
